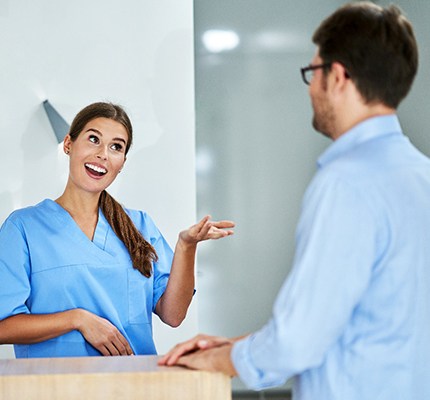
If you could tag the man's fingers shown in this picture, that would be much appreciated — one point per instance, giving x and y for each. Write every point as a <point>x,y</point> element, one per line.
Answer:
<point>200,342</point>
<point>171,357</point>
<point>178,351</point>
<point>186,361</point>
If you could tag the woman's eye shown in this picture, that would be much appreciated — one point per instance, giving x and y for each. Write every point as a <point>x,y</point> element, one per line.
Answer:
<point>93,139</point>
<point>116,147</point>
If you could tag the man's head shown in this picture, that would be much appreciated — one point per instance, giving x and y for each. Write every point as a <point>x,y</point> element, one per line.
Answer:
<point>376,46</point>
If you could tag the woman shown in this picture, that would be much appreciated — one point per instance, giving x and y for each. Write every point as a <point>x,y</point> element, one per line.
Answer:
<point>81,275</point>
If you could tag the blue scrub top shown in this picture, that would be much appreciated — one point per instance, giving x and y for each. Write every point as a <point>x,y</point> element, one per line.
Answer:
<point>47,265</point>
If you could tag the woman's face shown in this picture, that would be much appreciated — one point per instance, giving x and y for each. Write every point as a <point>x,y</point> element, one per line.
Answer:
<point>97,155</point>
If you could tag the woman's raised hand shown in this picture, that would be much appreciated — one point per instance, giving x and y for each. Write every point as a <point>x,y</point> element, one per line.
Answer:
<point>207,229</point>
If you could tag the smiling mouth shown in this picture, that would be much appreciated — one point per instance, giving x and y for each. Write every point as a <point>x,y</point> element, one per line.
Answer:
<point>95,170</point>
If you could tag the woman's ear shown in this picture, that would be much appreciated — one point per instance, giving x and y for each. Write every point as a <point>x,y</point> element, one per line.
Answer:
<point>125,159</point>
<point>67,144</point>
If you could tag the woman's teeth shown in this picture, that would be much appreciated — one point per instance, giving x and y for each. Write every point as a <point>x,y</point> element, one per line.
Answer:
<point>95,168</point>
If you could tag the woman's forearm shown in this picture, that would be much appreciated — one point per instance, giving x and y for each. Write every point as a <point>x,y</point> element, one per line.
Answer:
<point>173,304</point>
<point>35,328</point>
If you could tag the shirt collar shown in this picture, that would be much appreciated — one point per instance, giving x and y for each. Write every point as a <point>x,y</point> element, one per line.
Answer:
<point>369,129</point>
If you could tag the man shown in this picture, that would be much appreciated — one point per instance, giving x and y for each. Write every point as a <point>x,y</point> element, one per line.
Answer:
<point>352,320</point>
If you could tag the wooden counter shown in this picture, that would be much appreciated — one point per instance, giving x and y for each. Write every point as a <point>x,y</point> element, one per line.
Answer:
<point>107,378</point>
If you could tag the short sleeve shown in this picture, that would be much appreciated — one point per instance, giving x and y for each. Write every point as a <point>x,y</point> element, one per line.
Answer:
<point>163,264</point>
<point>14,270</point>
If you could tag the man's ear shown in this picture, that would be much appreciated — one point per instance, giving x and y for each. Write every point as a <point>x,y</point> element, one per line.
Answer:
<point>340,73</point>
<point>339,79</point>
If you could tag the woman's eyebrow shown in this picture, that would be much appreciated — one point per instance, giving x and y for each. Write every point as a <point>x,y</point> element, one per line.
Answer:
<point>101,134</point>
<point>94,130</point>
<point>120,140</point>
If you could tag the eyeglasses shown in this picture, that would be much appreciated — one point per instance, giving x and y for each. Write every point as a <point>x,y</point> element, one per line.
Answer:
<point>308,72</point>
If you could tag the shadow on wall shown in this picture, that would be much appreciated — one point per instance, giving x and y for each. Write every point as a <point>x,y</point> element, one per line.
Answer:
<point>41,164</point>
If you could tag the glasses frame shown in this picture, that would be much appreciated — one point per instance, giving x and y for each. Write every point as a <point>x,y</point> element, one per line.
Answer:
<point>304,70</point>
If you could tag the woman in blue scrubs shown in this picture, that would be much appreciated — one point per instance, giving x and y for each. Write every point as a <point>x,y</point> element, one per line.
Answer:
<point>81,275</point>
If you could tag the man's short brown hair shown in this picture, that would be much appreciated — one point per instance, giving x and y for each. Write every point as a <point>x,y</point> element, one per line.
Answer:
<point>377,47</point>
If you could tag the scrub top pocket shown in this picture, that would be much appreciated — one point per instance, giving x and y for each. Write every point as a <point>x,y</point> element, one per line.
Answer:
<point>139,297</point>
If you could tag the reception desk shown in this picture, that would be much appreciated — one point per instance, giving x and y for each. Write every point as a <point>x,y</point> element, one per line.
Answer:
<point>107,378</point>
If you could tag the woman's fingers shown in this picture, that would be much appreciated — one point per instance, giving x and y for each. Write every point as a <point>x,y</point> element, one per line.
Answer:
<point>120,346</point>
<point>104,336</point>
<point>206,229</point>
<point>223,224</point>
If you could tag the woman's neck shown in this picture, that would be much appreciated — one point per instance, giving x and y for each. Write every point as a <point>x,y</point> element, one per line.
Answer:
<point>79,204</point>
<point>83,209</point>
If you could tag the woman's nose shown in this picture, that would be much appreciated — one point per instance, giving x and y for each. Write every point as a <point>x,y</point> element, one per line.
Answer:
<point>102,154</point>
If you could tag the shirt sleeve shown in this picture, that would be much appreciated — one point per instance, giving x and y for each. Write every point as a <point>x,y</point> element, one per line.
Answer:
<point>163,265</point>
<point>14,271</point>
<point>336,245</point>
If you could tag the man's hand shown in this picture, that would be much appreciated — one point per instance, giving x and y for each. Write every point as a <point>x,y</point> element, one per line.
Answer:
<point>216,359</point>
<point>203,352</point>
<point>207,353</point>
<point>199,342</point>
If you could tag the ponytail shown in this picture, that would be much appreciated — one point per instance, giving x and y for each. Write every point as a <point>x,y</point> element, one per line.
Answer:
<point>141,252</point>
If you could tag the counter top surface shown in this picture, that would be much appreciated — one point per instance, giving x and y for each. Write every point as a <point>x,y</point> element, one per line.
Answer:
<point>80,365</point>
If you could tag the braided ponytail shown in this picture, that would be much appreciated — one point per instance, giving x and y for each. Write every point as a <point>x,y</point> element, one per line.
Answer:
<point>142,253</point>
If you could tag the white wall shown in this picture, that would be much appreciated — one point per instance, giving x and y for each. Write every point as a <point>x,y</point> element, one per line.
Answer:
<point>138,53</point>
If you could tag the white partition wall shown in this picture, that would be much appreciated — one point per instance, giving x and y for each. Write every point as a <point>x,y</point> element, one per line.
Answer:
<point>138,53</point>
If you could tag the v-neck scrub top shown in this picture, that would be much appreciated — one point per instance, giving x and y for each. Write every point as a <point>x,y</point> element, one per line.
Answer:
<point>48,265</point>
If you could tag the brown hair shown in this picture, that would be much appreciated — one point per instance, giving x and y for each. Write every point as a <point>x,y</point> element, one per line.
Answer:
<point>141,252</point>
<point>376,46</point>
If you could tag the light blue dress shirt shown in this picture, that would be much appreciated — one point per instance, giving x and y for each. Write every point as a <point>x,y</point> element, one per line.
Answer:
<point>47,265</point>
<point>352,320</point>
